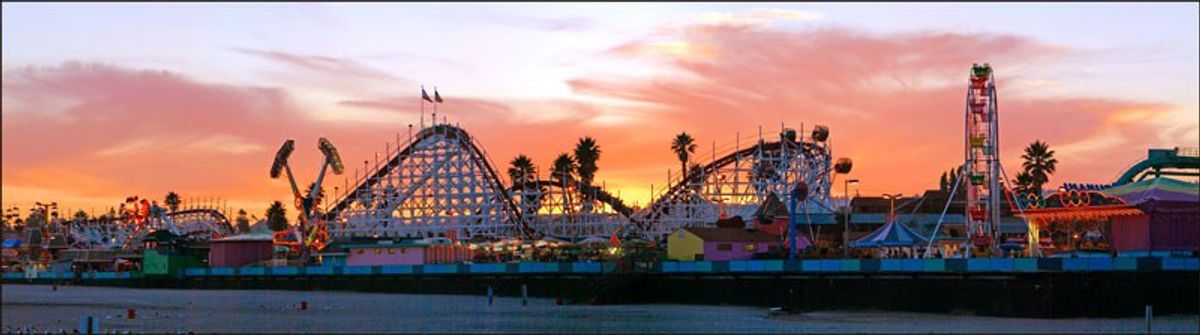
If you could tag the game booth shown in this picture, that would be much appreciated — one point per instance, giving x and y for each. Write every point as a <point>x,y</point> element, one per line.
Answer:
<point>1155,217</point>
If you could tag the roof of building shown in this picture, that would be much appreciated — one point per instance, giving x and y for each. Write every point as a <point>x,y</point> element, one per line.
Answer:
<point>731,235</point>
<point>892,234</point>
<point>382,245</point>
<point>251,237</point>
<point>1156,189</point>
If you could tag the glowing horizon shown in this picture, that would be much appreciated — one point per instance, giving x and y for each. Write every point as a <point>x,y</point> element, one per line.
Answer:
<point>103,108</point>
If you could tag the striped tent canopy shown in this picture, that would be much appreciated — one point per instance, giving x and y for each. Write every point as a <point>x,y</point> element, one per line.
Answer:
<point>1157,189</point>
<point>892,234</point>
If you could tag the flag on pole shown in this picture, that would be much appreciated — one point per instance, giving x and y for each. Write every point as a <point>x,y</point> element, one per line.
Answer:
<point>425,95</point>
<point>437,97</point>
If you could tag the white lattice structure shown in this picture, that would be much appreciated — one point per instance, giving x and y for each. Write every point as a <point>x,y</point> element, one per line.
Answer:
<point>562,211</point>
<point>124,232</point>
<point>439,183</point>
<point>736,183</point>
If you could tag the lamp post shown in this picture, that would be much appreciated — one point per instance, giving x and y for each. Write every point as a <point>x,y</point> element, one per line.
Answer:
<point>892,207</point>
<point>846,231</point>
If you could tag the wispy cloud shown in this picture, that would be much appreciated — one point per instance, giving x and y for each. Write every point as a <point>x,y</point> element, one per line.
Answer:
<point>882,94</point>
<point>320,64</point>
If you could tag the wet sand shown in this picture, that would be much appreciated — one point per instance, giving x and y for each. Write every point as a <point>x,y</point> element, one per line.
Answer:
<point>41,309</point>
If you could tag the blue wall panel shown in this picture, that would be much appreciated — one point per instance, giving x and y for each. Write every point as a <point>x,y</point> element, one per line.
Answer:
<point>252,271</point>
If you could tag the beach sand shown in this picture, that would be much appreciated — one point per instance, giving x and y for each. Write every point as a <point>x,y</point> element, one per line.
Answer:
<point>39,308</point>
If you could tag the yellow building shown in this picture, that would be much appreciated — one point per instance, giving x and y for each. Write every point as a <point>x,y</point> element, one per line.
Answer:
<point>684,246</point>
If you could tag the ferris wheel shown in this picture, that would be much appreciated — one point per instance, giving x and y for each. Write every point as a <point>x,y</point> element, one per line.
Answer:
<point>982,165</point>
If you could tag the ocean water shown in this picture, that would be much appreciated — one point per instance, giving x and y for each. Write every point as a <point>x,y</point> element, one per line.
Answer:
<point>38,308</point>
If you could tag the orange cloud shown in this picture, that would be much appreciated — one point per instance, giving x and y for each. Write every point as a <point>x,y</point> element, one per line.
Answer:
<point>83,131</point>
<point>893,101</point>
<point>116,132</point>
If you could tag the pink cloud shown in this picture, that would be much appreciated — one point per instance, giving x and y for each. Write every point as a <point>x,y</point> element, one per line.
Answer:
<point>149,132</point>
<point>94,131</point>
<point>894,101</point>
<point>322,64</point>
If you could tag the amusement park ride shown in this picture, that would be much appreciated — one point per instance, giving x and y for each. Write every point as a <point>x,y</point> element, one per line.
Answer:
<point>310,234</point>
<point>440,183</point>
<point>124,230</point>
<point>981,174</point>
<point>982,164</point>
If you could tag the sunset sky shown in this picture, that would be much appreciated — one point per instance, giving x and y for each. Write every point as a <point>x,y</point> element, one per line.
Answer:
<point>105,101</point>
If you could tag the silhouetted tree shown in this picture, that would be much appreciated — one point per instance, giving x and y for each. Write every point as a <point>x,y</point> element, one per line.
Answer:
<point>1039,164</point>
<point>172,201</point>
<point>277,217</point>
<point>683,146</point>
<point>243,222</point>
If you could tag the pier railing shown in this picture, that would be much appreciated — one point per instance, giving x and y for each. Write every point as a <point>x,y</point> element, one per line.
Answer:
<point>838,266</point>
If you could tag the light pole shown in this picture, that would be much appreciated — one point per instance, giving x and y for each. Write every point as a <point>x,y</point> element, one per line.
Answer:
<point>892,207</point>
<point>846,231</point>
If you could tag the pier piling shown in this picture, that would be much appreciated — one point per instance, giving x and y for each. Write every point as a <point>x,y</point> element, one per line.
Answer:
<point>1149,319</point>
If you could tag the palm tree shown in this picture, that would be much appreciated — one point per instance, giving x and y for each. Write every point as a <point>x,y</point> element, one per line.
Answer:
<point>564,169</point>
<point>1039,164</point>
<point>561,173</point>
<point>80,215</point>
<point>587,153</point>
<point>277,217</point>
<point>320,193</point>
<point>521,171</point>
<point>172,201</point>
<point>243,222</point>
<point>1023,183</point>
<point>683,146</point>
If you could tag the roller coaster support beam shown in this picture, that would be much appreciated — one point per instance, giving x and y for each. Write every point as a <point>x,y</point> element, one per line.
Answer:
<point>799,193</point>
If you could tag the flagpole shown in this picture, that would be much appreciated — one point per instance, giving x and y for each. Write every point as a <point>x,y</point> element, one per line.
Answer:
<point>422,106</point>
<point>435,103</point>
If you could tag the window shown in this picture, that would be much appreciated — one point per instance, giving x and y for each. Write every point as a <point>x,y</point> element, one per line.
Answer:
<point>378,251</point>
<point>724,247</point>
<point>360,251</point>
<point>750,247</point>
<point>391,251</point>
<point>404,250</point>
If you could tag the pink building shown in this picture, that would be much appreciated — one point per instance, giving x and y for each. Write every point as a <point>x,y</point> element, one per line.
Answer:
<point>719,244</point>
<point>403,253</point>
<point>240,250</point>
<point>390,252</point>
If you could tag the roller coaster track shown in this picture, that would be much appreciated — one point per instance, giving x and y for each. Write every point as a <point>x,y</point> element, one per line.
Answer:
<point>777,179</point>
<point>195,223</point>
<point>424,137</point>
<point>441,183</point>
<point>600,195</point>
